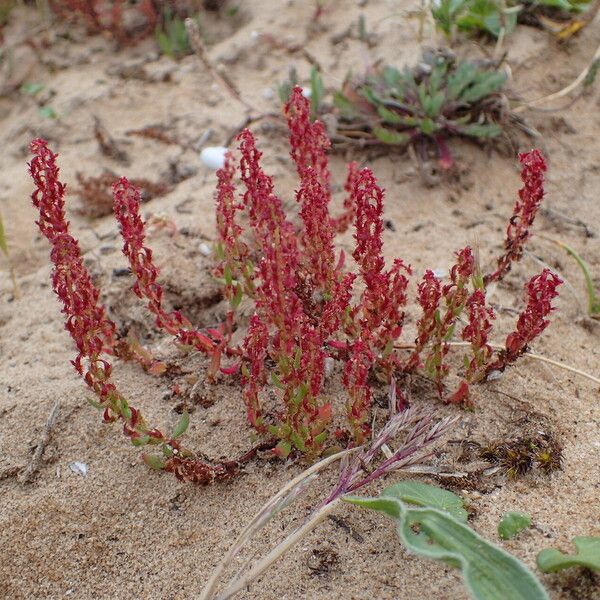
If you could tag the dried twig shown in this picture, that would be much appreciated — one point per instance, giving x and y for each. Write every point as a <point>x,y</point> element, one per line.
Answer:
<point>565,91</point>
<point>29,472</point>
<point>108,144</point>
<point>200,49</point>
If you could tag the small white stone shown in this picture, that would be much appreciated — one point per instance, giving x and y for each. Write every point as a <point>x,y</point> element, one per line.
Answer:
<point>79,468</point>
<point>205,249</point>
<point>493,375</point>
<point>306,92</point>
<point>268,94</point>
<point>213,156</point>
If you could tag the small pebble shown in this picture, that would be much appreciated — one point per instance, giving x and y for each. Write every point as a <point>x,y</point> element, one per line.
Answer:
<point>79,468</point>
<point>213,157</point>
<point>204,249</point>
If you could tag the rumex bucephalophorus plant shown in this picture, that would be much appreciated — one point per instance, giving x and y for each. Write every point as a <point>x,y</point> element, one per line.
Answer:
<point>306,308</point>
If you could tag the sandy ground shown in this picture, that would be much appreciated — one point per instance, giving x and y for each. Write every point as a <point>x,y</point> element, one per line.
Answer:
<point>126,533</point>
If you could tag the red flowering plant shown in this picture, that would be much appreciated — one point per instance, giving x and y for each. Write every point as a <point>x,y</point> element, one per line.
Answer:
<point>309,308</point>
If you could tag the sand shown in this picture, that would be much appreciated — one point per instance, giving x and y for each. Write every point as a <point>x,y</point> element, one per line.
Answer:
<point>124,532</point>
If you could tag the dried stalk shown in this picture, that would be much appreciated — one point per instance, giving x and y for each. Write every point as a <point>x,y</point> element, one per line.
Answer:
<point>28,473</point>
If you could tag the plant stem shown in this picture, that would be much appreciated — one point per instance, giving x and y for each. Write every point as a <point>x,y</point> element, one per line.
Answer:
<point>565,91</point>
<point>541,358</point>
<point>209,589</point>
<point>288,543</point>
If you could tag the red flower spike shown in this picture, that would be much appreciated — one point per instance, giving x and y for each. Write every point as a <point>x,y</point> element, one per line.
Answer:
<point>356,374</point>
<point>309,142</point>
<point>86,321</point>
<point>91,330</point>
<point>429,295</point>
<point>476,332</point>
<point>127,212</point>
<point>524,213</point>
<point>318,256</point>
<point>381,305</point>
<point>255,348</point>
<point>336,310</point>
<point>539,291</point>
<point>369,227</point>
<point>231,250</point>
<point>441,328</point>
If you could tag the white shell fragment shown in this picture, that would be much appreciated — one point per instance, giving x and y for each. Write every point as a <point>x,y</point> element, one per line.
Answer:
<point>205,249</point>
<point>213,157</point>
<point>79,468</point>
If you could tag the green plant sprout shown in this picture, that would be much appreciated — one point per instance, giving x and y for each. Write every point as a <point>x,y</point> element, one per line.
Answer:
<point>593,298</point>
<point>512,524</point>
<point>172,38</point>
<point>551,560</point>
<point>315,92</point>
<point>498,18</point>
<point>489,572</point>
<point>441,97</point>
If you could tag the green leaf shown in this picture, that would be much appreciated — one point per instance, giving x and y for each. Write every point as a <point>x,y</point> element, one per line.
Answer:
<point>317,91</point>
<point>389,116</point>
<point>141,441</point>
<point>394,138</point>
<point>237,299</point>
<point>489,572</point>
<point>422,494</point>
<point>460,79</point>
<point>512,523</point>
<point>182,425</point>
<point>154,462</point>
<point>283,449</point>
<point>551,560</point>
<point>3,243</point>
<point>593,298</point>
<point>428,127</point>
<point>344,105</point>
<point>32,89</point>
<point>487,84</point>
<point>48,112</point>
<point>484,130</point>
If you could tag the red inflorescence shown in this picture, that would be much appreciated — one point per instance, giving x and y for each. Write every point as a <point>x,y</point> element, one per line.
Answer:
<point>127,212</point>
<point>524,213</point>
<point>256,345</point>
<point>539,291</point>
<point>476,332</point>
<point>455,295</point>
<point>355,379</point>
<point>91,330</point>
<point>381,307</point>
<point>308,141</point>
<point>87,322</point>
<point>303,315</point>
<point>429,294</point>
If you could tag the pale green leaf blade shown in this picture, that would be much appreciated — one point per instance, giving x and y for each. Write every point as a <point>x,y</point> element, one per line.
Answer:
<point>513,523</point>
<point>588,555</point>
<point>422,494</point>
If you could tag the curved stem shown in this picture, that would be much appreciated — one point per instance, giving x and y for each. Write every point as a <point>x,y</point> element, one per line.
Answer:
<point>209,589</point>
<point>288,543</point>
<point>541,358</point>
<point>567,90</point>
